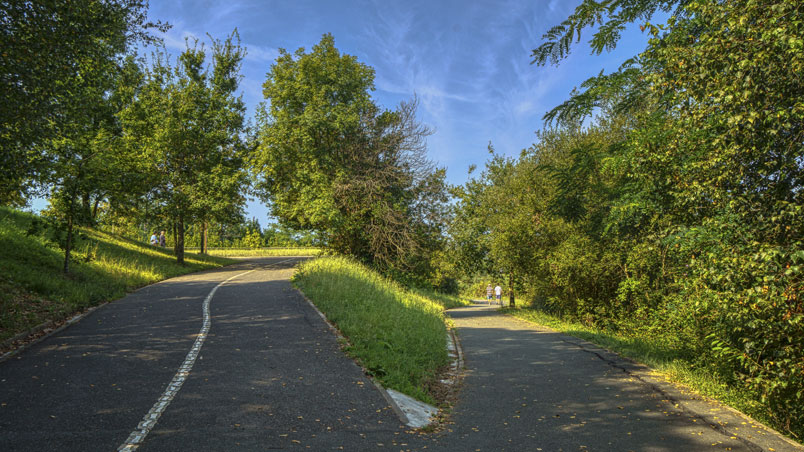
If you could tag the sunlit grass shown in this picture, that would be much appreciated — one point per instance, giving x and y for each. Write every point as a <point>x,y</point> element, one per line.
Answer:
<point>398,335</point>
<point>33,288</point>
<point>262,252</point>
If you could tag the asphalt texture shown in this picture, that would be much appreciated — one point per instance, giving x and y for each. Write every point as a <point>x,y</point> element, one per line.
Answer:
<point>530,388</point>
<point>271,375</point>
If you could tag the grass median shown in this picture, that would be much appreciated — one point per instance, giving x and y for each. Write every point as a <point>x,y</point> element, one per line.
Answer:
<point>34,290</point>
<point>397,335</point>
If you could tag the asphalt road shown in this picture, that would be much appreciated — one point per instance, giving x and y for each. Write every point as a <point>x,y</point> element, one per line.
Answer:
<point>270,375</point>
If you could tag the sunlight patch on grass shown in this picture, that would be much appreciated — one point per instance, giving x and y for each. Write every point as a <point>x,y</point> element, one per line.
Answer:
<point>263,252</point>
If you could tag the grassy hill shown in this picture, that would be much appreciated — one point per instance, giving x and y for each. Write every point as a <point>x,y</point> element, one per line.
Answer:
<point>33,288</point>
<point>397,335</point>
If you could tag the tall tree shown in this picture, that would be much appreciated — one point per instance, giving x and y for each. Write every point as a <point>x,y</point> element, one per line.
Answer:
<point>332,161</point>
<point>83,160</point>
<point>186,125</point>
<point>46,48</point>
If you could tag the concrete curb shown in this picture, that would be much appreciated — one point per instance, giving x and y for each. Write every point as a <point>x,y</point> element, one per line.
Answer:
<point>718,416</point>
<point>391,401</point>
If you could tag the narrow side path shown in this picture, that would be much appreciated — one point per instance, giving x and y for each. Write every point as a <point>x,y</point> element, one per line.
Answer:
<point>533,389</point>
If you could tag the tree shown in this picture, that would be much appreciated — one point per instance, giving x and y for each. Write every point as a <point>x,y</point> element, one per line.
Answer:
<point>610,16</point>
<point>47,47</point>
<point>186,125</point>
<point>82,158</point>
<point>331,161</point>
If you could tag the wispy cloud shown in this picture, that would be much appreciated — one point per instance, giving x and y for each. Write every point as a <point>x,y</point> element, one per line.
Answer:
<point>468,62</point>
<point>260,54</point>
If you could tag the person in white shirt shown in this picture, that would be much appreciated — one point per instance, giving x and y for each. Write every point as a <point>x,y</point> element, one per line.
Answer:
<point>498,293</point>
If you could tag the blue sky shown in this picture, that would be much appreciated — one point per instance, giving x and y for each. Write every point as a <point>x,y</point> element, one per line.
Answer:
<point>467,61</point>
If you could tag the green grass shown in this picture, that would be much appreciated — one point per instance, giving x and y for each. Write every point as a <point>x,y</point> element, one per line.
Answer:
<point>446,301</point>
<point>263,252</point>
<point>398,336</point>
<point>652,351</point>
<point>33,288</point>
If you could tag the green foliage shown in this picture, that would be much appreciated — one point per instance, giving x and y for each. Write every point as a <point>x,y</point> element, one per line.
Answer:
<point>317,102</point>
<point>185,125</point>
<point>331,161</point>
<point>253,239</point>
<point>398,336</point>
<point>677,213</point>
<point>51,52</point>
<point>610,16</point>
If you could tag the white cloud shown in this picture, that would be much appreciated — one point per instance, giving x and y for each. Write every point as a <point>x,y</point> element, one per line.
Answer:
<point>260,54</point>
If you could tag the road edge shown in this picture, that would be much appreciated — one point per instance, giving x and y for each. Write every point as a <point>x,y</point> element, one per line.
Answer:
<point>715,414</point>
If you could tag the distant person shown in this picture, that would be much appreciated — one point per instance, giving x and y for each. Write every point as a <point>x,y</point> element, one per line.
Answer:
<point>162,239</point>
<point>154,239</point>
<point>489,293</point>
<point>498,293</point>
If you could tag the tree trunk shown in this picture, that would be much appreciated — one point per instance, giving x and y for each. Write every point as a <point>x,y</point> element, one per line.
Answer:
<point>95,209</point>
<point>86,217</point>
<point>180,240</point>
<point>511,301</point>
<point>69,245</point>
<point>204,242</point>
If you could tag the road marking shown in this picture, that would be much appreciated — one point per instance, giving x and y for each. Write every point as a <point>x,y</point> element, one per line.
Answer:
<point>149,421</point>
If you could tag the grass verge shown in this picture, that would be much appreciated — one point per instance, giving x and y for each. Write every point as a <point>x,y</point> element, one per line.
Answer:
<point>262,252</point>
<point>652,352</point>
<point>397,335</point>
<point>34,290</point>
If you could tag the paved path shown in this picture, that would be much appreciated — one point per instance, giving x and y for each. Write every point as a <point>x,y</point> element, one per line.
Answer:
<point>533,389</point>
<point>270,375</point>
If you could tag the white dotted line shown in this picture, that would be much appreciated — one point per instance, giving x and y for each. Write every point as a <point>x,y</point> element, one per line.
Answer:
<point>149,421</point>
